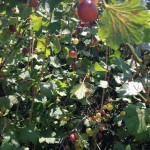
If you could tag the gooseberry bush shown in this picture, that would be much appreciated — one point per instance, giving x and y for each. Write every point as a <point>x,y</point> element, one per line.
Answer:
<point>74,75</point>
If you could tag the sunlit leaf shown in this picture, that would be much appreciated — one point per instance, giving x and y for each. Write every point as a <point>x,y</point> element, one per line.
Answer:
<point>79,90</point>
<point>97,67</point>
<point>36,22</point>
<point>130,88</point>
<point>103,84</point>
<point>123,23</point>
<point>42,46</point>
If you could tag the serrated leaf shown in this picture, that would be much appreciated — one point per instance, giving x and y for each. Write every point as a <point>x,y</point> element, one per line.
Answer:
<point>79,90</point>
<point>123,23</point>
<point>97,67</point>
<point>130,88</point>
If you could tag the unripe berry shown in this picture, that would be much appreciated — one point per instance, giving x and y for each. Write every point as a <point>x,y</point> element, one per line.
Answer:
<point>73,54</point>
<point>75,41</point>
<point>122,113</point>
<point>72,137</point>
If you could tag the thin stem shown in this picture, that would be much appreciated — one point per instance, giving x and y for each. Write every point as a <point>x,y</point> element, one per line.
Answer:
<point>102,100</point>
<point>33,87</point>
<point>147,89</point>
<point>44,55</point>
<point>134,54</point>
<point>142,97</point>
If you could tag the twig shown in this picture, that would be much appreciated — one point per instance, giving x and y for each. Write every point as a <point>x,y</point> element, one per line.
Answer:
<point>102,100</point>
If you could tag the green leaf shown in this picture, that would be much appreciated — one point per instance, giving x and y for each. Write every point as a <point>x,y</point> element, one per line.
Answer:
<point>79,90</point>
<point>56,47</point>
<point>56,112</point>
<point>83,140</point>
<point>8,101</point>
<point>97,67</point>
<point>29,134</point>
<point>123,23</point>
<point>24,75</point>
<point>119,146</point>
<point>9,141</point>
<point>128,147</point>
<point>123,67</point>
<point>36,22</point>
<point>41,45</point>
<point>54,27</point>
<point>130,88</point>
<point>13,20</point>
<point>53,4</point>
<point>135,119</point>
<point>54,61</point>
<point>147,32</point>
<point>4,35</point>
<point>147,115</point>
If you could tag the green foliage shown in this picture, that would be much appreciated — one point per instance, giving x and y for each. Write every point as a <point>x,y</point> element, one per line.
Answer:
<point>101,97</point>
<point>29,134</point>
<point>123,23</point>
<point>79,90</point>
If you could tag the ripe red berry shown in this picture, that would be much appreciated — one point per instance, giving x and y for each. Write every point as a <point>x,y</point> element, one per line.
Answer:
<point>19,36</point>
<point>94,117</point>
<point>34,3</point>
<point>1,113</point>
<point>103,112</point>
<point>93,43</point>
<point>72,137</point>
<point>12,28</point>
<point>26,50</point>
<point>73,54</point>
<point>99,136</point>
<point>87,11</point>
